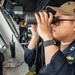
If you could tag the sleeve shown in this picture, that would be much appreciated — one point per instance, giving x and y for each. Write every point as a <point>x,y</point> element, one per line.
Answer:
<point>58,66</point>
<point>29,56</point>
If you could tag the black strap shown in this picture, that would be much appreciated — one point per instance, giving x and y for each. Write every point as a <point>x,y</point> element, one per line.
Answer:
<point>33,68</point>
<point>41,5</point>
<point>42,54</point>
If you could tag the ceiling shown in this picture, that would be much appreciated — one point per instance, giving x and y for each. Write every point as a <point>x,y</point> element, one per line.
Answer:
<point>32,5</point>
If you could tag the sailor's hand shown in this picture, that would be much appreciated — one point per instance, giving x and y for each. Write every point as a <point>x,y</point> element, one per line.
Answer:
<point>43,25</point>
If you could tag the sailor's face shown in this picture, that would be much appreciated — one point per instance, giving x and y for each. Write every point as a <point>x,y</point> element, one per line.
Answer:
<point>63,29</point>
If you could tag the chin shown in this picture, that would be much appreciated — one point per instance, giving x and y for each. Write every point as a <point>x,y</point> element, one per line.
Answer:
<point>56,37</point>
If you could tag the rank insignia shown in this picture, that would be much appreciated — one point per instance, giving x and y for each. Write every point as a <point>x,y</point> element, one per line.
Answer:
<point>70,59</point>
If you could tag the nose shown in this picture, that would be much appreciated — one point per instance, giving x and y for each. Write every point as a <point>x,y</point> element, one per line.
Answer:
<point>53,25</point>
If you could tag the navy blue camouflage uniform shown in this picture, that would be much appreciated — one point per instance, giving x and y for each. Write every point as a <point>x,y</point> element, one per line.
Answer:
<point>62,63</point>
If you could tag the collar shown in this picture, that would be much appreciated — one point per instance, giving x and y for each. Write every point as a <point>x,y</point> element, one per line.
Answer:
<point>70,48</point>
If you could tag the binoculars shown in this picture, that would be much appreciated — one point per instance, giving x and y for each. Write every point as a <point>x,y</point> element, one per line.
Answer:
<point>30,18</point>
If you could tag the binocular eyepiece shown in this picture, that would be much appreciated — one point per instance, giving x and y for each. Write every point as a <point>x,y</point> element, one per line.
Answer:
<point>31,19</point>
